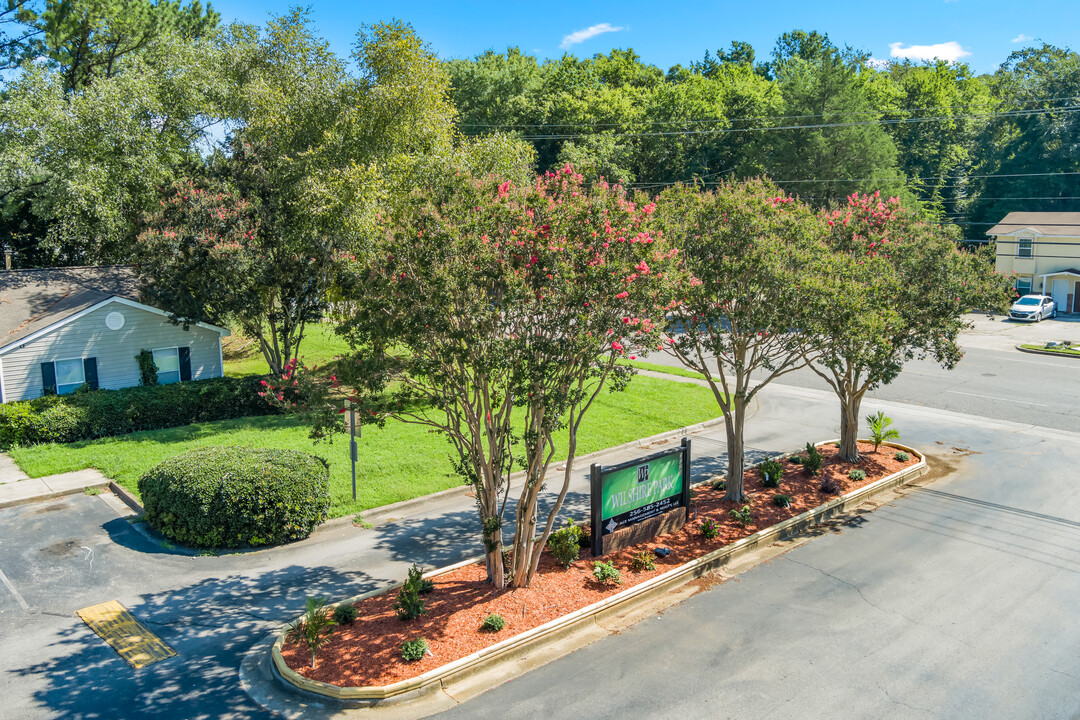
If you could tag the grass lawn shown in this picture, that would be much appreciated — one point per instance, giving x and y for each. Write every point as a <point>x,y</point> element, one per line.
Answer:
<point>319,346</point>
<point>669,369</point>
<point>397,462</point>
<point>1073,351</point>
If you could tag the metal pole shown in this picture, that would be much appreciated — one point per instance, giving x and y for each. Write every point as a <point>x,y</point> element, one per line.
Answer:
<point>352,445</point>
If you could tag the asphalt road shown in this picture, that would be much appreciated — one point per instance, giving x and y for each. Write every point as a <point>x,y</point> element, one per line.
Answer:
<point>993,380</point>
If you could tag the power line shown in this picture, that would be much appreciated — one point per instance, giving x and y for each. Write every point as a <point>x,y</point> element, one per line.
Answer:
<point>893,179</point>
<point>761,117</point>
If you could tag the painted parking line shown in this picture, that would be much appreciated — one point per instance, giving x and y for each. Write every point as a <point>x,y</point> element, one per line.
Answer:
<point>995,397</point>
<point>125,634</point>
<point>9,586</point>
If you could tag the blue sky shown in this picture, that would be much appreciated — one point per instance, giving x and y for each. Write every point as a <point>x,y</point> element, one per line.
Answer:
<point>979,32</point>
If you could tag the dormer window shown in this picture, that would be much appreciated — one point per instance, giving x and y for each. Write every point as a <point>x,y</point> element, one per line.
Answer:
<point>1023,248</point>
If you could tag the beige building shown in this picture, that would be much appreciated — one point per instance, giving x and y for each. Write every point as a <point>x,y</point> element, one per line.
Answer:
<point>1043,250</point>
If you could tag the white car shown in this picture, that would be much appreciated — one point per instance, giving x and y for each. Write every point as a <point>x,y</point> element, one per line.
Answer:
<point>1033,308</point>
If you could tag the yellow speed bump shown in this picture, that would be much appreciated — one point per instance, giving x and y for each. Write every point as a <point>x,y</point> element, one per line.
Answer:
<point>125,634</point>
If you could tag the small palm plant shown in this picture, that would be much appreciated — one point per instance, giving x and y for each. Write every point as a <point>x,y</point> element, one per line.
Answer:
<point>313,628</point>
<point>880,431</point>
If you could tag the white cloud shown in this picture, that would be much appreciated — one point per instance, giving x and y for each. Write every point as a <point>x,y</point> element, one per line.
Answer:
<point>1022,38</point>
<point>949,51</point>
<point>879,63</point>
<point>579,36</point>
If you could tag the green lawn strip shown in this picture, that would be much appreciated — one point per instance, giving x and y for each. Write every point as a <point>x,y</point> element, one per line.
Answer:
<point>397,462</point>
<point>1058,350</point>
<point>670,370</point>
<point>319,346</point>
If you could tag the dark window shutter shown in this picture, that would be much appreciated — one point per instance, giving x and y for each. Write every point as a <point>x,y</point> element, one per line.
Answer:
<point>48,378</point>
<point>90,372</point>
<point>185,363</point>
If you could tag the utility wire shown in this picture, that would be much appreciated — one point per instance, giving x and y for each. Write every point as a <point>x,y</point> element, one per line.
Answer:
<point>759,117</point>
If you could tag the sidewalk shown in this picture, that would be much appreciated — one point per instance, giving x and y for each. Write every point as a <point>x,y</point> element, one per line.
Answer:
<point>17,488</point>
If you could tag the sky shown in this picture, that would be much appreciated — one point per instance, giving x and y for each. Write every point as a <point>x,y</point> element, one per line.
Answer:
<point>981,33</point>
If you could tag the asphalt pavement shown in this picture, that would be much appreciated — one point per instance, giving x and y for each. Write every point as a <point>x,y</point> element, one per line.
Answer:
<point>957,600</point>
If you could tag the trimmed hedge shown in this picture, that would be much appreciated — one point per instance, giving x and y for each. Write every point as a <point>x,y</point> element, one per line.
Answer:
<point>103,413</point>
<point>224,497</point>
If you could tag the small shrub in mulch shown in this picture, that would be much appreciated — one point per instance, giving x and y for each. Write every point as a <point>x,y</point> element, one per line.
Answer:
<point>493,623</point>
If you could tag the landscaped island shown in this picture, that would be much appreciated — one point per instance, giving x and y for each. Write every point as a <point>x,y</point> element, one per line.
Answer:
<point>368,651</point>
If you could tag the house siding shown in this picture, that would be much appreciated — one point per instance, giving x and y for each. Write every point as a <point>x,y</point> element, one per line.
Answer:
<point>115,350</point>
<point>1049,254</point>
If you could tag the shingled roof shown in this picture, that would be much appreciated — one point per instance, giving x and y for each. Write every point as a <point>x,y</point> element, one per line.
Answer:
<point>31,300</point>
<point>1047,223</point>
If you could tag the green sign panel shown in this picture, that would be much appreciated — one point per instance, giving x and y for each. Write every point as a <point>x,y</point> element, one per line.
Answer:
<point>636,487</point>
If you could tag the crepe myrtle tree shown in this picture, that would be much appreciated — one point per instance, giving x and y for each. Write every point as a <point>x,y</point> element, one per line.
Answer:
<point>754,261</point>
<point>495,313</point>
<point>228,253</point>
<point>901,287</point>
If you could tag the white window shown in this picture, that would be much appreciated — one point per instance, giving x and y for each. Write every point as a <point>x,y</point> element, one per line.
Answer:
<point>1023,286</point>
<point>167,361</point>
<point>70,375</point>
<point>1023,249</point>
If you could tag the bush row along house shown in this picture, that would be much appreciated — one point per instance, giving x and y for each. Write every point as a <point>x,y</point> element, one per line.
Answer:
<point>65,328</point>
<point>1043,250</point>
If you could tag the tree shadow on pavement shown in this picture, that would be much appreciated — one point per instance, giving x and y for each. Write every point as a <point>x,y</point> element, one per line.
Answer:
<point>210,624</point>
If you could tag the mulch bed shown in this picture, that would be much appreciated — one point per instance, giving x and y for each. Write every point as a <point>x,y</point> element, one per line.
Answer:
<point>368,652</point>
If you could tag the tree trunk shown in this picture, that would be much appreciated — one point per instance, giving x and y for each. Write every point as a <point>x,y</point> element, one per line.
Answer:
<point>849,428</point>
<point>734,422</point>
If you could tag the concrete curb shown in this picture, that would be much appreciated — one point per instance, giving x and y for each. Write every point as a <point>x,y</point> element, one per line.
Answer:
<point>440,678</point>
<point>1051,353</point>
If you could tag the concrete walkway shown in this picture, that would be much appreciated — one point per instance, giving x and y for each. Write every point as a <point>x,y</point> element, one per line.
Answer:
<point>16,487</point>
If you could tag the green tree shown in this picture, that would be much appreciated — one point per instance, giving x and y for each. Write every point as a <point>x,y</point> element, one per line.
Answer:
<point>900,289</point>
<point>754,257</point>
<point>837,144</point>
<point>79,168</point>
<point>495,313</point>
<point>1039,86</point>
<point>89,39</point>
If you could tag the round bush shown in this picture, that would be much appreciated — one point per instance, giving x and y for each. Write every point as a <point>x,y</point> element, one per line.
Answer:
<point>222,497</point>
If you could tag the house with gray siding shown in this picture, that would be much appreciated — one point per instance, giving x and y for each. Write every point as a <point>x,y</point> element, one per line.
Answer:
<point>62,328</point>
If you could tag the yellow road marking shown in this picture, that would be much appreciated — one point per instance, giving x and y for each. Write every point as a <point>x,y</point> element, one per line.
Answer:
<point>125,634</point>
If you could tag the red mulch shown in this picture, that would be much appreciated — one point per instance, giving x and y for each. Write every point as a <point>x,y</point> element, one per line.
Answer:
<point>368,652</point>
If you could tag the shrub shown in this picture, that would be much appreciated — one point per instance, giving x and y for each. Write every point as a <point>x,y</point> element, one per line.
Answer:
<point>314,628</point>
<point>345,614</point>
<point>720,485</point>
<point>709,528</point>
<point>564,543</point>
<point>585,537</point>
<point>605,572</point>
<point>409,605</point>
<point>812,460</point>
<point>782,500</point>
<point>413,650</point>
<point>105,413</point>
<point>219,497</point>
<point>856,474</point>
<point>743,517</point>
<point>771,473</point>
<point>643,562</point>
<point>147,367</point>
<point>493,623</point>
<point>902,456</point>
<point>831,486</point>
<point>880,431</point>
